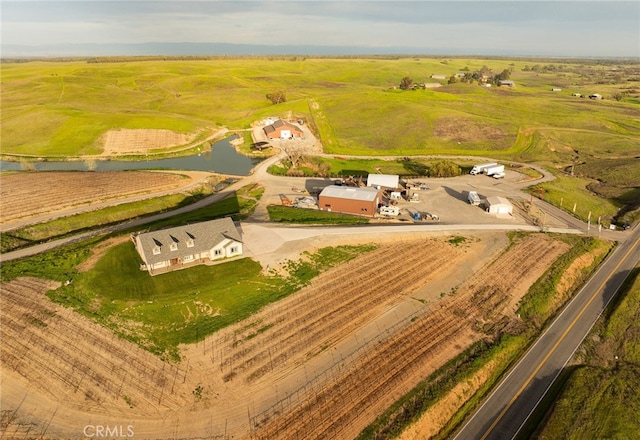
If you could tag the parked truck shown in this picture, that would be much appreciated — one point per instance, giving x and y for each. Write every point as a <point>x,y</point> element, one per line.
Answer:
<point>474,198</point>
<point>479,169</point>
<point>494,170</point>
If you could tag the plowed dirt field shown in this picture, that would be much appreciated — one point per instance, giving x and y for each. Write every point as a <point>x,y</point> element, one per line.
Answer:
<point>322,363</point>
<point>29,194</point>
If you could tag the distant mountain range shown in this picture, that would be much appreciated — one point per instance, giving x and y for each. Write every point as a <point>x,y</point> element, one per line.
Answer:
<point>194,49</point>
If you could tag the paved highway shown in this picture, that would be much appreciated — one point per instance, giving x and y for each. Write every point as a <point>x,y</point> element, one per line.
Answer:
<point>506,410</point>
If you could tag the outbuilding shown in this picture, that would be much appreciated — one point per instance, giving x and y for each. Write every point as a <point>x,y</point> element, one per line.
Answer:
<point>282,130</point>
<point>498,205</point>
<point>383,181</point>
<point>350,200</point>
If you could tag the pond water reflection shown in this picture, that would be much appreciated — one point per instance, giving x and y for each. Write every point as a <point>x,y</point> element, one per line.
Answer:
<point>223,158</point>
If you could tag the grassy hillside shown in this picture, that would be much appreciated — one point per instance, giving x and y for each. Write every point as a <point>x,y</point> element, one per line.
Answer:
<point>64,108</point>
<point>354,105</point>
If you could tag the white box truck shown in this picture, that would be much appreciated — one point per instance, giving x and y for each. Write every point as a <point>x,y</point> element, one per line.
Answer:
<point>479,169</point>
<point>494,170</point>
<point>474,198</point>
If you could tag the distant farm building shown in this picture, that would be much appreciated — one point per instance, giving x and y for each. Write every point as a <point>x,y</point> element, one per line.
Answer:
<point>556,89</point>
<point>579,95</point>
<point>498,205</point>
<point>350,200</point>
<point>282,130</point>
<point>506,83</point>
<point>438,76</point>
<point>185,246</point>
<point>383,181</point>
<point>595,96</point>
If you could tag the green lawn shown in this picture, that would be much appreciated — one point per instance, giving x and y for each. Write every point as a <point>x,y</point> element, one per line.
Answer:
<point>285,214</point>
<point>184,306</point>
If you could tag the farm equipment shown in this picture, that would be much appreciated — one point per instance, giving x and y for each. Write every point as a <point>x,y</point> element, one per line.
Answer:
<point>285,200</point>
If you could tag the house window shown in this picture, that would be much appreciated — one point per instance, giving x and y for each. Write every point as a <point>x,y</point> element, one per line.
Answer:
<point>188,258</point>
<point>173,246</point>
<point>217,252</point>
<point>363,209</point>
<point>190,243</point>
<point>234,250</point>
<point>156,250</point>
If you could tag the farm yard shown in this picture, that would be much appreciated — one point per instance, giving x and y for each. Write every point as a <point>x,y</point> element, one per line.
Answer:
<point>290,342</point>
<point>323,362</point>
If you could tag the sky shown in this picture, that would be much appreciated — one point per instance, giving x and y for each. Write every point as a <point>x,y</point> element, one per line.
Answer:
<point>509,27</point>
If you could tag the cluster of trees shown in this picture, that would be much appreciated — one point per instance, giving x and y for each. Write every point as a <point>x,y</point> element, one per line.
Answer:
<point>484,75</point>
<point>277,97</point>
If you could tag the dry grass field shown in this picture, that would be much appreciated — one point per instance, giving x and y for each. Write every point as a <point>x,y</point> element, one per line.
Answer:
<point>124,142</point>
<point>322,363</point>
<point>29,195</point>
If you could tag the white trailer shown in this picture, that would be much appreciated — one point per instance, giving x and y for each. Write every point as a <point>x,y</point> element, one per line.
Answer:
<point>479,169</point>
<point>474,198</point>
<point>494,170</point>
<point>389,210</point>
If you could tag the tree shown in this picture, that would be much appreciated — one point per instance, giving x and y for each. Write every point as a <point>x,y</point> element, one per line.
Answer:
<point>444,168</point>
<point>277,97</point>
<point>452,79</point>
<point>406,83</point>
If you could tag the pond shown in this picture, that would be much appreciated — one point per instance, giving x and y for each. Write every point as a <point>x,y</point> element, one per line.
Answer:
<point>223,158</point>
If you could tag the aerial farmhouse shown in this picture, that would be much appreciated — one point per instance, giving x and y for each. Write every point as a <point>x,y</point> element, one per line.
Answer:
<point>282,130</point>
<point>350,200</point>
<point>185,246</point>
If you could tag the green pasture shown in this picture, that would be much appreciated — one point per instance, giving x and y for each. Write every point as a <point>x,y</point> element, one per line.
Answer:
<point>573,195</point>
<point>62,108</point>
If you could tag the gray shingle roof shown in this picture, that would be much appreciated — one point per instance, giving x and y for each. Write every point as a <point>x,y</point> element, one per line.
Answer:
<point>186,240</point>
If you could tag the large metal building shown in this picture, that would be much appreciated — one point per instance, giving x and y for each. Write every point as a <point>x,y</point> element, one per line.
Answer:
<point>350,200</point>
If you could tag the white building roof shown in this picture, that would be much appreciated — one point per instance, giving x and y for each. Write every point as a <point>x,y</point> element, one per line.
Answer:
<point>498,200</point>
<point>383,180</point>
<point>350,193</point>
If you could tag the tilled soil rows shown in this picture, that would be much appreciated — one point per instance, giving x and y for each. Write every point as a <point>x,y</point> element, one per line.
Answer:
<point>330,309</point>
<point>84,371</point>
<point>342,408</point>
<point>73,360</point>
<point>26,195</point>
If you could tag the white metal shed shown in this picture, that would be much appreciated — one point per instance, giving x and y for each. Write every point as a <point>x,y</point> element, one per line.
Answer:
<point>498,205</point>
<point>390,181</point>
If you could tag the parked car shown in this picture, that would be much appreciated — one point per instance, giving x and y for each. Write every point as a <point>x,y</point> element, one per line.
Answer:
<point>498,175</point>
